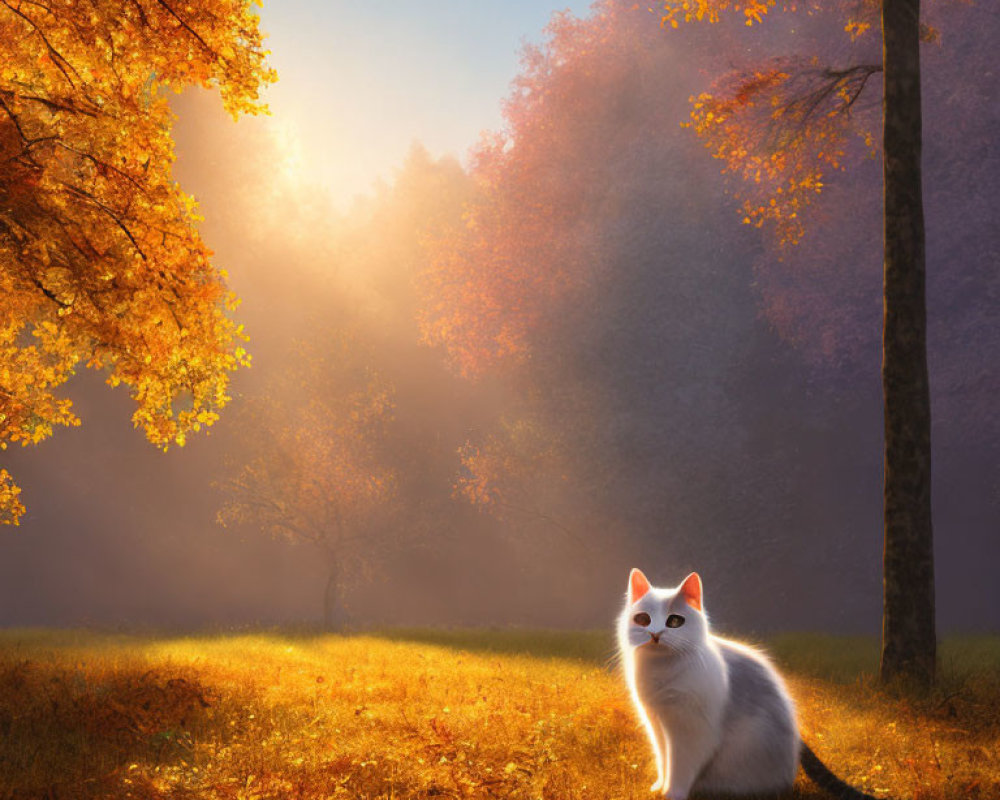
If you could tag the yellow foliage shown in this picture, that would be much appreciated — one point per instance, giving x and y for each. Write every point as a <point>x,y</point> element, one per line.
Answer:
<point>709,10</point>
<point>100,261</point>
<point>780,128</point>
<point>11,507</point>
<point>857,28</point>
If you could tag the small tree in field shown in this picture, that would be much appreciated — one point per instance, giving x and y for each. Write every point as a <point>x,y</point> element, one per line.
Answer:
<point>100,259</point>
<point>314,473</point>
<point>782,126</point>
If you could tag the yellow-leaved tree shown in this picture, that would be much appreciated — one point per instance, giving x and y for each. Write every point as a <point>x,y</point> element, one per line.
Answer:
<point>100,260</point>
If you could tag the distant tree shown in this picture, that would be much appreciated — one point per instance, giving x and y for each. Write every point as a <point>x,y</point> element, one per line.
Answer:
<point>354,308</point>
<point>100,259</point>
<point>782,126</point>
<point>507,471</point>
<point>541,285</point>
<point>314,471</point>
<point>495,277</point>
<point>550,208</point>
<point>482,298</point>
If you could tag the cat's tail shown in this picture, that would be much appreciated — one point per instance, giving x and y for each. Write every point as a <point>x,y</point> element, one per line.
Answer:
<point>826,780</point>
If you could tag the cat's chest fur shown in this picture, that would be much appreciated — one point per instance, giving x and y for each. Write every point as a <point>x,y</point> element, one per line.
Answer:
<point>677,685</point>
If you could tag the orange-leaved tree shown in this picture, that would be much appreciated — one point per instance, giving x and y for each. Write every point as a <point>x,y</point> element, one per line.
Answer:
<point>783,126</point>
<point>511,289</point>
<point>508,470</point>
<point>497,279</point>
<point>100,260</point>
<point>484,296</point>
<point>313,470</point>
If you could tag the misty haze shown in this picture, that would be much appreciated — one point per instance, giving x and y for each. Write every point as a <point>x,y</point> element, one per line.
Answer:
<point>521,298</point>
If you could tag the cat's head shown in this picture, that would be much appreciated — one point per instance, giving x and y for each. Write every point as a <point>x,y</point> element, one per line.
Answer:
<point>672,619</point>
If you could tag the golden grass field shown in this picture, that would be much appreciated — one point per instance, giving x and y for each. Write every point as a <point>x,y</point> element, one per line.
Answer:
<point>438,714</point>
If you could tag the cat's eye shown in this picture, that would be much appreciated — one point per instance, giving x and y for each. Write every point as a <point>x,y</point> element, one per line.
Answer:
<point>642,618</point>
<point>675,621</point>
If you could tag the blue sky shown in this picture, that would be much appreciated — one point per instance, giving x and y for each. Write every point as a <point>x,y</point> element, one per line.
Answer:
<point>360,80</point>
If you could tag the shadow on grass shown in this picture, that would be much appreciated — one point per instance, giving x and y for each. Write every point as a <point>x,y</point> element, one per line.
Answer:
<point>849,659</point>
<point>840,659</point>
<point>71,733</point>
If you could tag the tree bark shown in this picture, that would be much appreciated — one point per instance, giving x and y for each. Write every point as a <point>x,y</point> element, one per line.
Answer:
<point>908,634</point>
<point>332,606</point>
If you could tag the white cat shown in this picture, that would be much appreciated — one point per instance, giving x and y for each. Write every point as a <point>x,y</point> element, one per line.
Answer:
<point>717,712</point>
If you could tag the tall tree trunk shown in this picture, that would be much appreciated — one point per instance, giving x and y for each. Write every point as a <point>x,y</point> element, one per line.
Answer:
<point>332,606</point>
<point>908,637</point>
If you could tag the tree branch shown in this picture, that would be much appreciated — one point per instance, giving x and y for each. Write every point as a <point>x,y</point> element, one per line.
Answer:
<point>57,58</point>
<point>187,27</point>
<point>75,190</point>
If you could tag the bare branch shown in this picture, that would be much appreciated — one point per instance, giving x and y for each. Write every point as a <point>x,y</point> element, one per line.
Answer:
<point>831,83</point>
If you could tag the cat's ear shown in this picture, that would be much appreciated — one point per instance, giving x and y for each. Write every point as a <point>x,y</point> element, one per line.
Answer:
<point>691,590</point>
<point>637,585</point>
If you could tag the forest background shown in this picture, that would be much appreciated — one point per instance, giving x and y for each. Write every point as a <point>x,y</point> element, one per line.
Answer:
<point>683,399</point>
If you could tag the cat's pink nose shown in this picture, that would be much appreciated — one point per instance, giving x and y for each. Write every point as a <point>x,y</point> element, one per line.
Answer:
<point>655,637</point>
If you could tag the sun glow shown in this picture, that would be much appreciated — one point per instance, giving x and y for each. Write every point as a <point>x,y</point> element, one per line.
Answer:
<point>291,168</point>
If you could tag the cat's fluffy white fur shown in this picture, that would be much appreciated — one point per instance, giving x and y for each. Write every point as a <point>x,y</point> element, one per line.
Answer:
<point>717,712</point>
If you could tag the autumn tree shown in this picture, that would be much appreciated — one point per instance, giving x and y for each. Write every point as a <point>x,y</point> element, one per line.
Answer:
<point>494,283</point>
<point>312,470</point>
<point>783,126</point>
<point>704,379</point>
<point>547,285</point>
<point>481,303</point>
<point>353,305</point>
<point>101,263</point>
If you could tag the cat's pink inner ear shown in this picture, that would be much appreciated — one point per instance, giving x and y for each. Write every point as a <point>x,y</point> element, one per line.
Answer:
<point>691,590</point>
<point>637,585</point>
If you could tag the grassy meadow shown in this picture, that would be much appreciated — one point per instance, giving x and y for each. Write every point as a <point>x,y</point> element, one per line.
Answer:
<point>438,714</point>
